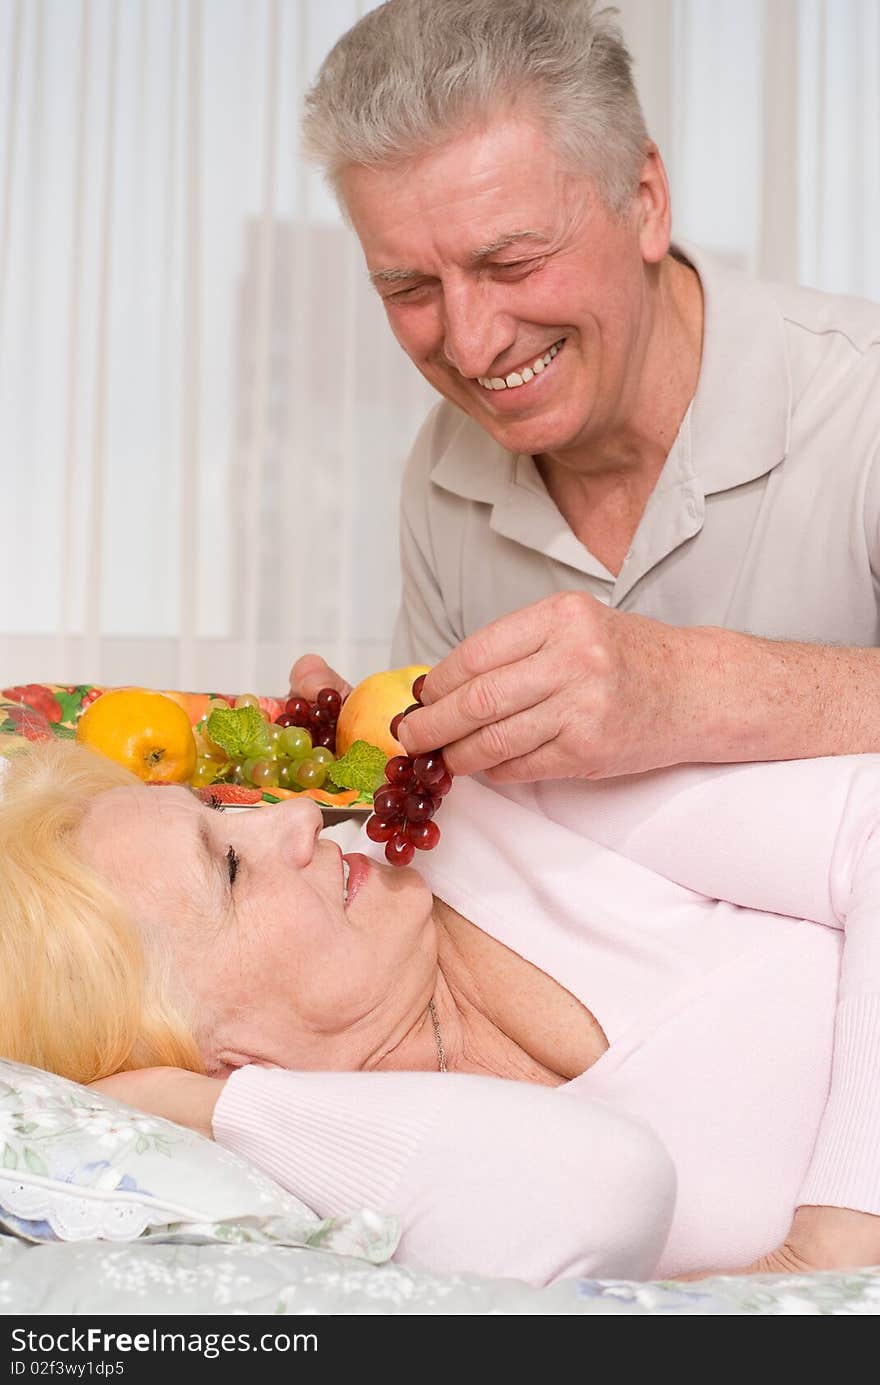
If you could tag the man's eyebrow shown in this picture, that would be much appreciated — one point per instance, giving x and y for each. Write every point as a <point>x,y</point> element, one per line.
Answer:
<point>394,276</point>
<point>400,275</point>
<point>494,247</point>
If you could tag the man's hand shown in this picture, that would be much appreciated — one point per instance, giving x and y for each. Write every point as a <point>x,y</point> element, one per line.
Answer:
<point>311,673</point>
<point>187,1098</point>
<point>565,688</point>
<point>821,1238</point>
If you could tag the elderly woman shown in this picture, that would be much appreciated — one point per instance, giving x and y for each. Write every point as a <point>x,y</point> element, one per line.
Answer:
<point>670,1002</point>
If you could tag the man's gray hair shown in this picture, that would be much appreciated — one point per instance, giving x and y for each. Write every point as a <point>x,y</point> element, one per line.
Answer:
<point>414,73</point>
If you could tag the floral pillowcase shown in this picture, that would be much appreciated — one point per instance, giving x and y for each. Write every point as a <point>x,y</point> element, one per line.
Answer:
<point>77,1165</point>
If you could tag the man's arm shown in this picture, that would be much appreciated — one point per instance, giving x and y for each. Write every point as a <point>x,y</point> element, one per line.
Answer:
<point>567,688</point>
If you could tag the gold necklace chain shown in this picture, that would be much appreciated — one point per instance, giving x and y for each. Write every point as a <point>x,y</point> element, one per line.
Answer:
<point>441,1056</point>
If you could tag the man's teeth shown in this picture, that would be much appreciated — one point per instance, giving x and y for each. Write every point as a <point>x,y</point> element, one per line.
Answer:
<point>520,377</point>
<point>346,871</point>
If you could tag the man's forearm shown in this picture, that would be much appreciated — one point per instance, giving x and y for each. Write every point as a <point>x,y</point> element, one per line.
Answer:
<point>748,698</point>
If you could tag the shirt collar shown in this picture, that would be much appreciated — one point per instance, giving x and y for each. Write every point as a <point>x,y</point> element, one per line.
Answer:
<point>739,418</point>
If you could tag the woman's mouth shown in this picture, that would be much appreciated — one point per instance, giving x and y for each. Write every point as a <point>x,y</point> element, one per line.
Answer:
<point>355,869</point>
<point>524,374</point>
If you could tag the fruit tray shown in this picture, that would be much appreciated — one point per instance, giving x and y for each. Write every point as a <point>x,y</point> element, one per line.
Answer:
<point>41,711</point>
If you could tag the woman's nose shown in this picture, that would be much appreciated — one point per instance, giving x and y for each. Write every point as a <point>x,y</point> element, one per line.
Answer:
<point>292,825</point>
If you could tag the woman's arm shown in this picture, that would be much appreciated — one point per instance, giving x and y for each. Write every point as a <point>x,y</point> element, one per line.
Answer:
<point>800,838</point>
<point>759,835</point>
<point>495,1177</point>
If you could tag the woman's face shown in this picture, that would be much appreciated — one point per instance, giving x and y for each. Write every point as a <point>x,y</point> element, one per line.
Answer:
<point>250,911</point>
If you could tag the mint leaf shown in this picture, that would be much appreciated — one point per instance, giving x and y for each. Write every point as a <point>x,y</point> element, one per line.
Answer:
<point>240,731</point>
<point>362,768</point>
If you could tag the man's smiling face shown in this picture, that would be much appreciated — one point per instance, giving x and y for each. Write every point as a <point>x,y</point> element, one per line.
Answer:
<point>496,264</point>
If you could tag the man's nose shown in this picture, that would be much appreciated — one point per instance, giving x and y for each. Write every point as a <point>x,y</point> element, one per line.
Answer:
<point>476,332</point>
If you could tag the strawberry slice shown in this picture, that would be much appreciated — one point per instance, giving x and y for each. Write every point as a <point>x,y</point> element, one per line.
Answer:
<point>229,793</point>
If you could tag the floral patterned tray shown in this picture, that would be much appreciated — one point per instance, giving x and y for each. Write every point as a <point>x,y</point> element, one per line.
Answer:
<point>41,711</point>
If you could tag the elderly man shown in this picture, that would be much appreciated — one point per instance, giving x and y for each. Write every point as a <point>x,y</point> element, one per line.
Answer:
<point>643,528</point>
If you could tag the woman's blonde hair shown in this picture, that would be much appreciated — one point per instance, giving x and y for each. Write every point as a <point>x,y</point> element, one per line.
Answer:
<point>79,995</point>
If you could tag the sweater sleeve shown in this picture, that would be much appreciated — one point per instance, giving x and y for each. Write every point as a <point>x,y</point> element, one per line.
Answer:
<point>800,838</point>
<point>485,1175</point>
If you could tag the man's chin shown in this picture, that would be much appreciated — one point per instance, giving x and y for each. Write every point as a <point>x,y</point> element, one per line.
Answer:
<point>530,433</point>
<point>530,436</point>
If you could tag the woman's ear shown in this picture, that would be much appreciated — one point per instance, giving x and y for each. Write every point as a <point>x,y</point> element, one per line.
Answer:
<point>225,1064</point>
<point>228,1062</point>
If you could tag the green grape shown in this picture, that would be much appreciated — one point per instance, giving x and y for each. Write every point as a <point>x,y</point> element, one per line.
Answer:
<point>311,775</point>
<point>205,747</point>
<point>236,773</point>
<point>287,774</point>
<point>322,756</point>
<point>264,774</point>
<point>205,772</point>
<point>273,734</point>
<point>247,700</point>
<point>247,769</point>
<point>295,742</point>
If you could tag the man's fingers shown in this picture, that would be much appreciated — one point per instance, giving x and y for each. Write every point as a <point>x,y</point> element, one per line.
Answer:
<point>516,738</point>
<point>503,642</point>
<point>484,701</point>
<point>311,673</point>
<point>546,761</point>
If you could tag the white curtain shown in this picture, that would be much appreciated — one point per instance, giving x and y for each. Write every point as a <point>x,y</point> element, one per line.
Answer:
<point>203,415</point>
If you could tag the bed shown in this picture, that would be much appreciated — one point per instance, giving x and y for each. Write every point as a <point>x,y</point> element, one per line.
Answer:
<point>99,1278</point>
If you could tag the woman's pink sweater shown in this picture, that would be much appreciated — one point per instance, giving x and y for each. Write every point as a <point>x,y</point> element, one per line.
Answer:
<point>722,925</point>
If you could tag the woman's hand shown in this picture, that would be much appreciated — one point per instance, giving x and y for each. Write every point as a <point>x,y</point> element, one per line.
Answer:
<point>821,1238</point>
<point>187,1098</point>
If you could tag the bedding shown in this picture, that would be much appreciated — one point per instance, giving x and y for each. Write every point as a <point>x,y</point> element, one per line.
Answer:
<point>168,1280</point>
<point>106,1210</point>
<point>76,1165</point>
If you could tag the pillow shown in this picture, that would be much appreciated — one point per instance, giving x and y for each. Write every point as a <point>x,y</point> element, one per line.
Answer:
<point>76,1165</point>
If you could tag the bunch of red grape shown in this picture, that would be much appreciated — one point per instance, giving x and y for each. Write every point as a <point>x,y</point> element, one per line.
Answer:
<point>318,718</point>
<point>404,807</point>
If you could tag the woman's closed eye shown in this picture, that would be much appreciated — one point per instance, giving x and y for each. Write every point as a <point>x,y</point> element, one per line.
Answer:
<point>232,863</point>
<point>233,860</point>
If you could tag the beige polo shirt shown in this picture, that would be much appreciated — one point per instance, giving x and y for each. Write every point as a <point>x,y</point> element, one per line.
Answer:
<point>765,517</point>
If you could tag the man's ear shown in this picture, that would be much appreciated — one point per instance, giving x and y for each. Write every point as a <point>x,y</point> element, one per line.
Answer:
<point>654,210</point>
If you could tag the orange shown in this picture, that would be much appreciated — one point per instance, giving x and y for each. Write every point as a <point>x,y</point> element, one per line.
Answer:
<point>367,711</point>
<point>143,730</point>
<point>194,704</point>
